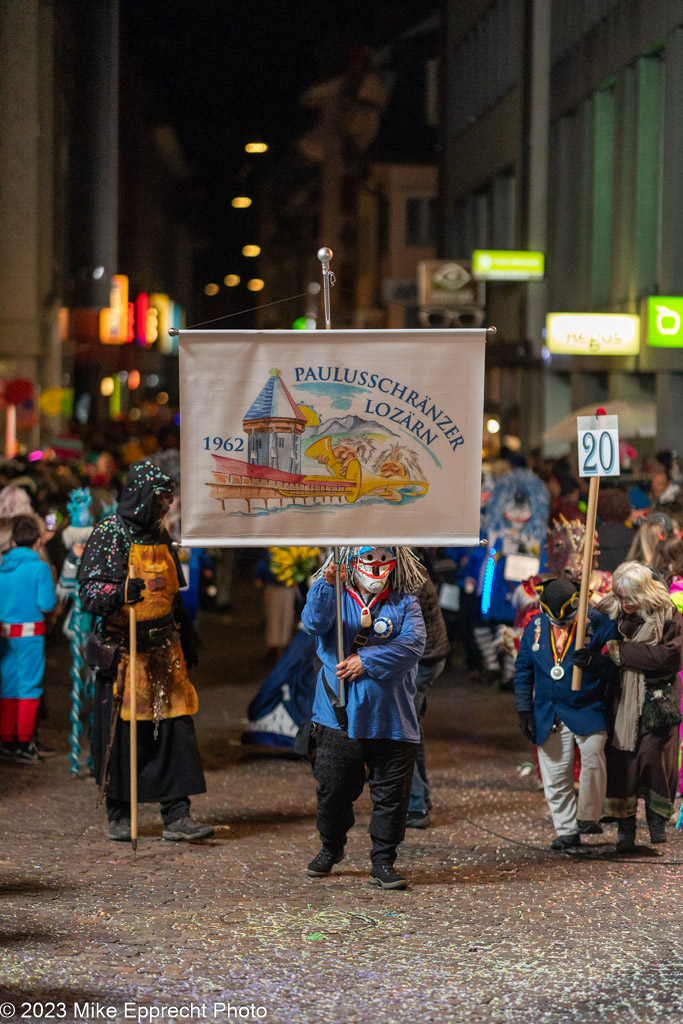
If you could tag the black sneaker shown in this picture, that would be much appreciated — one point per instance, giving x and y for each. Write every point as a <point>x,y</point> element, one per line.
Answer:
<point>417,819</point>
<point>589,828</point>
<point>41,749</point>
<point>324,862</point>
<point>383,876</point>
<point>566,842</point>
<point>8,751</point>
<point>26,753</point>
<point>119,830</point>
<point>186,828</point>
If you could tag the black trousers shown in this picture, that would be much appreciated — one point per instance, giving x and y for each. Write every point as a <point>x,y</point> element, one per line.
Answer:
<point>171,810</point>
<point>339,770</point>
<point>169,767</point>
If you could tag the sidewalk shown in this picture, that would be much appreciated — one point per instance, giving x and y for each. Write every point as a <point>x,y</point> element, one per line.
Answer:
<point>493,928</point>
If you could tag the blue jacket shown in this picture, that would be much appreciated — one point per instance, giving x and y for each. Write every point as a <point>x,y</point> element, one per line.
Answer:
<point>380,702</point>
<point>27,590</point>
<point>582,711</point>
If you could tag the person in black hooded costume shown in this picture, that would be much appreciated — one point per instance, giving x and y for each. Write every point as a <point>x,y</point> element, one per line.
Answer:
<point>129,560</point>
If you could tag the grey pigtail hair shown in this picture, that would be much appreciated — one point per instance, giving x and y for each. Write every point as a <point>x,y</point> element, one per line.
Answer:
<point>409,574</point>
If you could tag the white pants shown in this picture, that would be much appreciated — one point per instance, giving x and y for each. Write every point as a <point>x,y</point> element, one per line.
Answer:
<point>556,760</point>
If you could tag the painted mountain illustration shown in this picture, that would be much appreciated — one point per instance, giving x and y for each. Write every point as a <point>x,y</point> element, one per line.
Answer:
<point>348,425</point>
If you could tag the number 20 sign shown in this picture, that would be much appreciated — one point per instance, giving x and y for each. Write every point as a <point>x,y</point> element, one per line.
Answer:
<point>598,445</point>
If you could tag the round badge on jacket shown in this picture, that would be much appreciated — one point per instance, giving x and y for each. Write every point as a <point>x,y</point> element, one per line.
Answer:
<point>383,627</point>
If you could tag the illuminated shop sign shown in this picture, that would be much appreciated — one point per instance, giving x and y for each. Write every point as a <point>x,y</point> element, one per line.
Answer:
<point>508,265</point>
<point>146,320</point>
<point>116,321</point>
<point>593,334</point>
<point>665,321</point>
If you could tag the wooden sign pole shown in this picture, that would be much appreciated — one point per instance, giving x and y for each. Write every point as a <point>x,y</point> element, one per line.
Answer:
<point>133,668</point>
<point>586,571</point>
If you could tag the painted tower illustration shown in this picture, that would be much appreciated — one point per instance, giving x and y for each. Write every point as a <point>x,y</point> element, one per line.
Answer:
<point>273,425</point>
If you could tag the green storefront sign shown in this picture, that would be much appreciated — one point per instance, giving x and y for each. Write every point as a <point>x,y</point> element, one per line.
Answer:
<point>508,265</point>
<point>665,321</point>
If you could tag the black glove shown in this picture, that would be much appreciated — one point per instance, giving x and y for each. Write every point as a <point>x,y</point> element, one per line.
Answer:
<point>130,591</point>
<point>527,724</point>
<point>189,641</point>
<point>189,638</point>
<point>593,661</point>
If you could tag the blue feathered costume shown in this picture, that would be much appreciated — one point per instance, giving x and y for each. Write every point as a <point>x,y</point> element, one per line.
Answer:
<point>515,523</point>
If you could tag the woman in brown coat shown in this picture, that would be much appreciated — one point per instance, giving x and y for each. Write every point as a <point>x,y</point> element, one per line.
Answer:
<point>642,758</point>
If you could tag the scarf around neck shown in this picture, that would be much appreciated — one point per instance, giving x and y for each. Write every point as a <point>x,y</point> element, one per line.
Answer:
<point>633,684</point>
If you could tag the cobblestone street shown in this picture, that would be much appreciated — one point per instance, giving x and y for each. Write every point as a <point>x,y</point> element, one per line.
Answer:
<point>493,927</point>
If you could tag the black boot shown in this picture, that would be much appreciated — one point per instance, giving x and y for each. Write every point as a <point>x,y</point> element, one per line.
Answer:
<point>119,830</point>
<point>323,863</point>
<point>626,836</point>
<point>383,876</point>
<point>589,828</point>
<point>566,842</point>
<point>657,825</point>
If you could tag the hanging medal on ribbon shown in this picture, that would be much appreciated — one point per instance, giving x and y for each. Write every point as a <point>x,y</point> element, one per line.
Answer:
<point>557,671</point>
<point>366,609</point>
<point>537,635</point>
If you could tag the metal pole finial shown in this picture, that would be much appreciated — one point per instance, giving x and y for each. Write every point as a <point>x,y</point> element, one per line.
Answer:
<point>325,255</point>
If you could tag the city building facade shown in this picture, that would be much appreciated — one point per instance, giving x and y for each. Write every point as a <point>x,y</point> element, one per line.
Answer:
<point>562,134</point>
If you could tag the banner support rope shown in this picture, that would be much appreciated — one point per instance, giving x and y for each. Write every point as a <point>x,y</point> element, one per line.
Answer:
<point>175,331</point>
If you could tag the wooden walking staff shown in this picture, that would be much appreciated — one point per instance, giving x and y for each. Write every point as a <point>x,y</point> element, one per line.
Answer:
<point>325,255</point>
<point>132,675</point>
<point>598,456</point>
<point>586,570</point>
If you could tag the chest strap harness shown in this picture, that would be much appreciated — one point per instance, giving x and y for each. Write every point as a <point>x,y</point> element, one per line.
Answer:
<point>368,615</point>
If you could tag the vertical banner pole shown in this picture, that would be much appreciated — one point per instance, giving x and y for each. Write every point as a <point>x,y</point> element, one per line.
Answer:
<point>339,621</point>
<point>586,571</point>
<point>325,255</point>
<point>133,731</point>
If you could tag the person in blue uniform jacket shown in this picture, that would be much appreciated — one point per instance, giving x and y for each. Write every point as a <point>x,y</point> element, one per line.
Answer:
<point>376,725</point>
<point>555,717</point>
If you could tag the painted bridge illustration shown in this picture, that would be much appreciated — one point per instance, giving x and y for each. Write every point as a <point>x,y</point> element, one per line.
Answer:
<point>274,425</point>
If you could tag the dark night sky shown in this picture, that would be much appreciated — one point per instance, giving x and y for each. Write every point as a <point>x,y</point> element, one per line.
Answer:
<point>225,72</point>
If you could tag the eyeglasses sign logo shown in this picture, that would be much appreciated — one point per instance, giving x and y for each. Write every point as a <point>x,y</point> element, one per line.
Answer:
<point>665,321</point>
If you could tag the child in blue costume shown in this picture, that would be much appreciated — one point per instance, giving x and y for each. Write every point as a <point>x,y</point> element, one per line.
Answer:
<point>376,725</point>
<point>27,595</point>
<point>555,717</point>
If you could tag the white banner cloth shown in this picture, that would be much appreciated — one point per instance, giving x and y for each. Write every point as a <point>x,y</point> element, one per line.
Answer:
<point>331,437</point>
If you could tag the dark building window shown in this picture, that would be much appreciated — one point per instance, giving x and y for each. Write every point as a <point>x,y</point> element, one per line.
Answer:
<point>421,222</point>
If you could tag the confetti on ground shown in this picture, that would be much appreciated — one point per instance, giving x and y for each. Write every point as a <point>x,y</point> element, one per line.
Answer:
<point>493,928</point>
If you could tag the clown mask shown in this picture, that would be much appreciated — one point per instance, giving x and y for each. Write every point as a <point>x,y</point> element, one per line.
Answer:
<point>372,568</point>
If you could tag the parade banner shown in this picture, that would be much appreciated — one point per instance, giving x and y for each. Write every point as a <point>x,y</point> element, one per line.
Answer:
<point>331,437</point>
